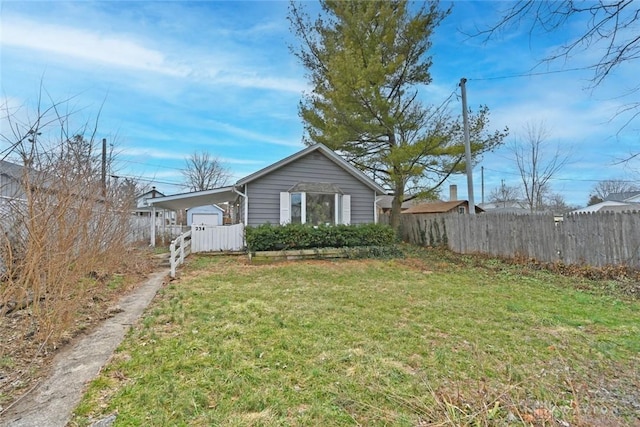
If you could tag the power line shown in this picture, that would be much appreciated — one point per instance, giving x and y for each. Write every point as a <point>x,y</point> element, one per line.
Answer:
<point>118,159</point>
<point>557,179</point>
<point>138,178</point>
<point>531,74</point>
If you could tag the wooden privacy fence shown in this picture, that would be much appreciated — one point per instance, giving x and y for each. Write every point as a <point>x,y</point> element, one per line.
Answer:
<point>596,239</point>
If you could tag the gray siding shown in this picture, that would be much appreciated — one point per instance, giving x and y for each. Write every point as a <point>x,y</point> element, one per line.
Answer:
<point>264,192</point>
<point>10,187</point>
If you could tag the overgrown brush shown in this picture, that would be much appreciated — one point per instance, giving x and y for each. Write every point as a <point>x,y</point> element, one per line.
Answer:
<point>63,225</point>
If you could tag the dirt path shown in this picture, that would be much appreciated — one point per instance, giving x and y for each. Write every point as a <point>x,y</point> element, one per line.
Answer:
<point>52,402</point>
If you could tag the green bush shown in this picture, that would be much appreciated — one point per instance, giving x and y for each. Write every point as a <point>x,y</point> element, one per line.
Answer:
<point>269,237</point>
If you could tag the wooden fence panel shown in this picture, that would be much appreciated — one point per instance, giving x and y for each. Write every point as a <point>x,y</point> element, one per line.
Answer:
<point>597,239</point>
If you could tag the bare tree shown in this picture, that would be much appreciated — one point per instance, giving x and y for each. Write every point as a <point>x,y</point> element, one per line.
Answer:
<point>204,172</point>
<point>535,166</point>
<point>505,194</point>
<point>603,189</point>
<point>610,34</point>
<point>557,204</point>
<point>610,22</point>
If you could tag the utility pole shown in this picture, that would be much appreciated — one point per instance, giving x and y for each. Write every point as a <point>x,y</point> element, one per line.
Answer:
<point>467,146</point>
<point>104,167</point>
<point>482,180</point>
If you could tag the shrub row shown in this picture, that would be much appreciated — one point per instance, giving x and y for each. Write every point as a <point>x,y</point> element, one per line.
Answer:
<point>269,237</point>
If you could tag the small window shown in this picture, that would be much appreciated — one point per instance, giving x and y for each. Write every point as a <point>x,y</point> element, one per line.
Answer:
<point>461,209</point>
<point>296,208</point>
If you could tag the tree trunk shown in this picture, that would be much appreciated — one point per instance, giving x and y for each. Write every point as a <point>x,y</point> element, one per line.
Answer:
<point>396,211</point>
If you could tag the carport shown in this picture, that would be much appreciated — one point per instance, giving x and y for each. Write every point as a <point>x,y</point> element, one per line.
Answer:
<point>176,202</point>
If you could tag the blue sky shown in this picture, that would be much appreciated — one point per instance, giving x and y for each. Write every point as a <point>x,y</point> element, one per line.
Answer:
<point>168,78</point>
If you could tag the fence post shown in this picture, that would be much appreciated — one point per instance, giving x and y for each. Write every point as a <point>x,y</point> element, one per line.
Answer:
<point>172,259</point>
<point>182,249</point>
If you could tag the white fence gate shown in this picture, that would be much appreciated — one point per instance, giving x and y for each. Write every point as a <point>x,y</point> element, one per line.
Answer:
<point>213,238</point>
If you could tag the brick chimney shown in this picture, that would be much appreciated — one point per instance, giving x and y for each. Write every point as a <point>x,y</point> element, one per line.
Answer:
<point>453,192</point>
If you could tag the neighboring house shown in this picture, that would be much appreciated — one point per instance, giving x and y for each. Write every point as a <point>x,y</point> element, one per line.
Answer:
<point>143,208</point>
<point>142,202</point>
<point>627,197</point>
<point>205,215</point>
<point>10,178</point>
<point>384,204</point>
<point>608,206</point>
<point>514,206</point>
<point>313,186</point>
<point>454,206</point>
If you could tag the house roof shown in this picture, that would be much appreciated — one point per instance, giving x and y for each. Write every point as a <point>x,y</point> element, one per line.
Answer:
<point>438,207</point>
<point>384,202</point>
<point>11,169</point>
<point>226,194</point>
<point>151,193</point>
<point>181,201</point>
<point>356,173</point>
<point>621,197</point>
<point>608,206</point>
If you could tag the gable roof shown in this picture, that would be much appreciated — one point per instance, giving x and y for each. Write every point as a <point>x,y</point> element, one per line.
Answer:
<point>151,193</point>
<point>224,194</point>
<point>330,154</point>
<point>438,207</point>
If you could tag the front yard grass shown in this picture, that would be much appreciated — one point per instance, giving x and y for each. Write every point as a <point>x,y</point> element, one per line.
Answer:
<point>410,342</point>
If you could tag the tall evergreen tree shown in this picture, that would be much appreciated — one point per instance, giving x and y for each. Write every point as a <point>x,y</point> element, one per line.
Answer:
<point>366,61</point>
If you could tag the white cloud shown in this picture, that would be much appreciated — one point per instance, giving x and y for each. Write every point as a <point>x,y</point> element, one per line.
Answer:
<point>256,136</point>
<point>125,52</point>
<point>153,153</point>
<point>86,45</point>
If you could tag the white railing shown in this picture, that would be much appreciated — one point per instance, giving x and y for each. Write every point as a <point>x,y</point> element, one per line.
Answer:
<point>180,249</point>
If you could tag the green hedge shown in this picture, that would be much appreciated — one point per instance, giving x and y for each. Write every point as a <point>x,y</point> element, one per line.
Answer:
<point>269,237</point>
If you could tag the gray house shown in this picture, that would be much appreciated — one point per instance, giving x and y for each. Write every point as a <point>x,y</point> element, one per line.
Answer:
<point>313,186</point>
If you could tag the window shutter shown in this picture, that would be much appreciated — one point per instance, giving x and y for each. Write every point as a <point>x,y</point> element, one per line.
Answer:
<point>346,209</point>
<point>285,208</point>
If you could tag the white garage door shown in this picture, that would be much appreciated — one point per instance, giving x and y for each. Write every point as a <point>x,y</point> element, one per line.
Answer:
<point>205,219</point>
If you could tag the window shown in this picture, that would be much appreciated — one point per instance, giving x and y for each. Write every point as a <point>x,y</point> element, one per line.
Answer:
<point>461,209</point>
<point>316,208</point>
<point>321,208</point>
<point>296,208</point>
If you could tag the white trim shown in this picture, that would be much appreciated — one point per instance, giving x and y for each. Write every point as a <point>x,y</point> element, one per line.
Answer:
<point>285,207</point>
<point>246,205</point>
<point>346,209</point>
<point>245,202</point>
<point>375,208</point>
<point>303,207</point>
<point>153,226</point>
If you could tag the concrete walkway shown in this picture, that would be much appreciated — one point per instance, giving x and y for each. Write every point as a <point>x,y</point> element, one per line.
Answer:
<point>52,403</point>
